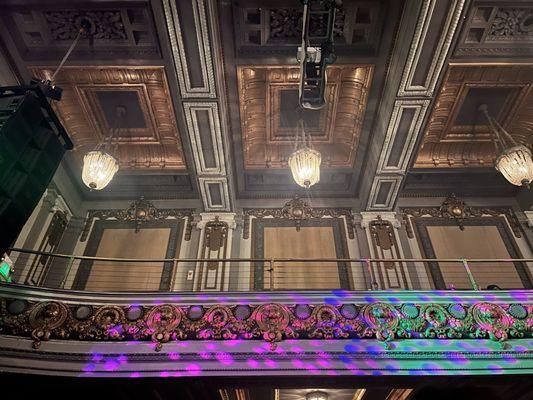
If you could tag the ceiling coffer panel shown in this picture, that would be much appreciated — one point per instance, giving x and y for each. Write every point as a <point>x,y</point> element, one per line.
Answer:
<point>43,30</point>
<point>458,134</point>
<point>268,97</point>
<point>147,138</point>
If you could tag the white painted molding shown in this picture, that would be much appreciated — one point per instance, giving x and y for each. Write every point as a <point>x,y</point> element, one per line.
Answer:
<point>420,107</point>
<point>196,140</point>
<point>180,56</point>
<point>228,218</point>
<point>389,216</point>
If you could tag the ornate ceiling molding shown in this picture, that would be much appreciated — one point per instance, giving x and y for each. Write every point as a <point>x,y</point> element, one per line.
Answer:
<point>267,136</point>
<point>298,210</point>
<point>139,211</point>
<point>43,30</point>
<point>408,86</point>
<point>451,143</point>
<point>215,194</point>
<point>203,122</point>
<point>418,79</point>
<point>186,60</point>
<point>497,29</point>
<point>395,156</point>
<point>153,144</point>
<point>197,52</point>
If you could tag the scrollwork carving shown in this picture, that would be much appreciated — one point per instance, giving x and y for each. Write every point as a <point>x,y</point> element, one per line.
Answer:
<point>298,210</point>
<point>272,322</point>
<point>457,210</point>
<point>139,212</point>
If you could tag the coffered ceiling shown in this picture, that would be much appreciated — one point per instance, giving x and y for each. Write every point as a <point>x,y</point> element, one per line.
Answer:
<point>268,101</point>
<point>457,134</point>
<point>211,91</point>
<point>146,136</point>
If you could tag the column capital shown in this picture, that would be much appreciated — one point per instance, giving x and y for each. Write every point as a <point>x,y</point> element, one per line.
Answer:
<point>228,218</point>
<point>389,216</point>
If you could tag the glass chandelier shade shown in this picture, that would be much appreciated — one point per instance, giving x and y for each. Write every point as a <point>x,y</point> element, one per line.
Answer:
<point>305,166</point>
<point>515,160</point>
<point>316,395</point>
<point>305,161</point>
<point>99,168</point>
<point>516,165</point>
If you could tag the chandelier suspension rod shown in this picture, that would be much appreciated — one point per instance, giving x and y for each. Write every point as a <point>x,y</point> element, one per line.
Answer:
<point>497,129</point>
<point>81,31</point>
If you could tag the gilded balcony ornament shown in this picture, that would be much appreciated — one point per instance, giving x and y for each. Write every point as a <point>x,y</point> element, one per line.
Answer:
<point>42,321</point>
<point>161,322</point>
<point>46,318</point>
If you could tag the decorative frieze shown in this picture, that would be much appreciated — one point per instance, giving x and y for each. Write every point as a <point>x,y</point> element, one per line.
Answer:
<point>271,322</point>
<point>457,210</point>
<point>298,210</point>
<point>139,211</point>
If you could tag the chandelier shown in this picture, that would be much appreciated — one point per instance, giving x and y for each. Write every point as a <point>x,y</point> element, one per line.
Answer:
<point>305,161</point>
<point>515,161</point>
<point>316,395</point>
<point>99,166</point>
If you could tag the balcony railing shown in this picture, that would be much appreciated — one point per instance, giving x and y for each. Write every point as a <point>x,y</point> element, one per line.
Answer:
<point>99,274</point>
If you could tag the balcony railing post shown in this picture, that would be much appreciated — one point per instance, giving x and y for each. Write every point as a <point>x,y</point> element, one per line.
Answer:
<point>173,275</point>
<point>370,274</point>
<point>67,272</point>
<point>470,275</point>
<point>271,271</point>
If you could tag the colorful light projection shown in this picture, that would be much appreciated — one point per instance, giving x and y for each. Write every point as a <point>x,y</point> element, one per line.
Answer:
<point>315,357</point>
<point>272,322</point>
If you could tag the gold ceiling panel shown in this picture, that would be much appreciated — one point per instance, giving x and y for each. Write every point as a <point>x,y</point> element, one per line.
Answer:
<point>457,134</point>
<point>268,96</point>
<point>147,138</point>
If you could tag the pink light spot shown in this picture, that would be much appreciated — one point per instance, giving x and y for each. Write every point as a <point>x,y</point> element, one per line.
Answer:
<point>135,375</point>
<point>253,363</point>
<point>194,369</point>
<point>173,356</point>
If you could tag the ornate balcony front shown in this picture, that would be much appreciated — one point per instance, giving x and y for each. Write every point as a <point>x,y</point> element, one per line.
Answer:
<point>273,331</point>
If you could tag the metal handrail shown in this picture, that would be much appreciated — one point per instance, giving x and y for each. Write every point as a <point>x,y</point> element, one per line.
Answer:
<point>276,260</point>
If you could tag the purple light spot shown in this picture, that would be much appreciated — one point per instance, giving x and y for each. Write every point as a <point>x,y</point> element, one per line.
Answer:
<point>164,374</point>
<point>298,363</point>
<point>205,355</point>
<point>520,296</point>
<point>194,369</point>
<point>111,365</point>
<point>97,357</point>
<point>135,375</point>
<point>324,363</point>
<point>370,299</point>
<point>270,363</point>
<point>341,293</point>
<point>122,359</point>
<point>89,368</point>
<point>224,358</point>
<point>174,356</point>
<point>332,301</point>
<point>253,363</point>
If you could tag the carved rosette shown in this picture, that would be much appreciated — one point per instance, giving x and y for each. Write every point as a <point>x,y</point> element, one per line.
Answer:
<point>491,319</point>
<point>270,322</point>
<point>383,319</point>
<point>218,323</point>
<point>161,324</point>
<point>46,318</point>
<point>273,321</point>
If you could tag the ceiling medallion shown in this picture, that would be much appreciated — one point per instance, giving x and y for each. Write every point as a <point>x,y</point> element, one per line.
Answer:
<point>515,162</point>
<point>305,161</point>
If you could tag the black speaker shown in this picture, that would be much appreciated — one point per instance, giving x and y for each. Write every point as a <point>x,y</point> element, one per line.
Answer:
<point>32,144</point>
